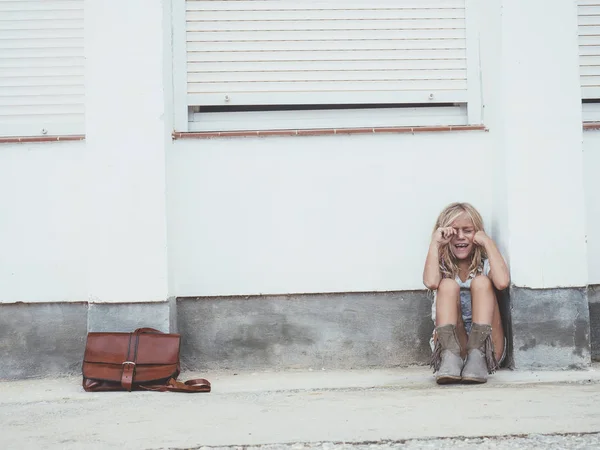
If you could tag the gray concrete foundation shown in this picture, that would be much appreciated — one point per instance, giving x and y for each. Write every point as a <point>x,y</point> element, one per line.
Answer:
<point>551,328</point>
<point>306,331</point>
<point>127,317</point>
<point>505,313</point>
<point>546,329</point>
<point>594,301</point>
<point>41,339</point>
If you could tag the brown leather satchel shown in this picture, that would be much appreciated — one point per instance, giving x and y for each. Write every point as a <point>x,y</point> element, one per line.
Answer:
<point>146,359</point>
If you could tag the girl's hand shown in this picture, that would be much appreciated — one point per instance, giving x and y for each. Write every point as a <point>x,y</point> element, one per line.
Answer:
<point>480,238</point>
<point>443,235</point>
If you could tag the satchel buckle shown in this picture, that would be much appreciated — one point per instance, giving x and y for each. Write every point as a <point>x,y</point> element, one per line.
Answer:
<point>128,362</point>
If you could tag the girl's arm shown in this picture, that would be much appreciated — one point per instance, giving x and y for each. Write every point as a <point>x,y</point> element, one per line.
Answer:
<point>431,274</point>
<point>498,269</point>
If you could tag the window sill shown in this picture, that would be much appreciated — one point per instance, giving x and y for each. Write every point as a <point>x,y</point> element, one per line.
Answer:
<point>30,139</point>
<point>326,131</point>
<point>591,126</point>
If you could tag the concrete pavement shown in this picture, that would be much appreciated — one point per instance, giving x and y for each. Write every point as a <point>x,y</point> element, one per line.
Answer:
<point>298,407</point>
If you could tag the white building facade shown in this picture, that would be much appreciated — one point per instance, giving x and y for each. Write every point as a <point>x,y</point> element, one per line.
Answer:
<point>263,176</point>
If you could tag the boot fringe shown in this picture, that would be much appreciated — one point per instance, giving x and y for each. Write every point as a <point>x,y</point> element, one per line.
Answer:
<point>436,357</point>
<point>490,357</point>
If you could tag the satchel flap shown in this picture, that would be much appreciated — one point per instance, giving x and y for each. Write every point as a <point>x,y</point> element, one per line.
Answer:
<point>107,347</point>
<point>158,349</point>
<point>112,348</point>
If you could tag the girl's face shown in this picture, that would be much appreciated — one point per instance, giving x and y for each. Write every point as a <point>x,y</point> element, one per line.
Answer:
<point>461,244</point>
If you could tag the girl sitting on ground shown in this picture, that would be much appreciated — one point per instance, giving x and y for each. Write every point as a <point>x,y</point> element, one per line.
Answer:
<point>463,266</point>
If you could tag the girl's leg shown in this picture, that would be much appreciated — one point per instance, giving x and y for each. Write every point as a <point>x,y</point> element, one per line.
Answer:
<point>480,358</point>
<point>446,359</point>
<point>447,310</point>
<point>486,311</point>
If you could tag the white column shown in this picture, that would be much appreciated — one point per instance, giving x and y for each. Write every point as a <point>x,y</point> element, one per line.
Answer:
<point>542,141</point>
<point>126,140</point>
<point>538,132</point>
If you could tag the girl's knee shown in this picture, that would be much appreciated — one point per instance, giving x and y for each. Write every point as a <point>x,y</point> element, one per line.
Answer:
<point>481,282</point>
<point>448,286</point>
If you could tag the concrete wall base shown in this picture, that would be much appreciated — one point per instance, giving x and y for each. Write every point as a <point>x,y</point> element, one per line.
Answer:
<point>306,331</point>
<point>594,302</point>
<point>41,339</point>
<point>129,316</point>
<point>551,328</point>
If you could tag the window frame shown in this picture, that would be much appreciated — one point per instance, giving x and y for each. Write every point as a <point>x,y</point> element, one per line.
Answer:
<point>183,116</point>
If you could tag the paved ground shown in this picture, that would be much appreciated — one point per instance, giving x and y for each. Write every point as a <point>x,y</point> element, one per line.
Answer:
<point>541,442</point>
<point>374,409</point>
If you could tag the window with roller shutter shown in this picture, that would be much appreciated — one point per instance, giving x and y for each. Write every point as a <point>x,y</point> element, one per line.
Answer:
<point>589,58</point>
<point>279,64</point>
<point>41,67</point>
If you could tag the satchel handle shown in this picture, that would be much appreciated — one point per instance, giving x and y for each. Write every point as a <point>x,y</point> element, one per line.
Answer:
<point>147,330</point>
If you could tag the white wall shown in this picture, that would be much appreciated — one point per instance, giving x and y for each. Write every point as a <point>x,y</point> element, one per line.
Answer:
<point>591,164</point>
<point>127,127</point>
<point>130,216</point>
<point>493,117</point>
<point>301,214</point>
<point>42,222</point>
<point>314,214</point>
<point>540,131</point>
<point>87,221</point>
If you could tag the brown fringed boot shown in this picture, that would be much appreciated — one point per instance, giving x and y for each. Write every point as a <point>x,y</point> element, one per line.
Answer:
<point>446,360</point>
<point>480,355</point>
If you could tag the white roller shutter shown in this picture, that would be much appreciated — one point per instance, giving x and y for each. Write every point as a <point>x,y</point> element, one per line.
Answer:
<point>589,48</point>
<point>293,52</point>
<point>41,67</point>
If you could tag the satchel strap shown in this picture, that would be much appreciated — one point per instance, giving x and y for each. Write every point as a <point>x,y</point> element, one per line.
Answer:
<point>129,366</point>
<point>172,385</point>
<point>190,386</point>
<point>127,375</point>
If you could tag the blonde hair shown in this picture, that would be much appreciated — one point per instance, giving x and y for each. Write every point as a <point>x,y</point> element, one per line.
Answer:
<point>448,262</point>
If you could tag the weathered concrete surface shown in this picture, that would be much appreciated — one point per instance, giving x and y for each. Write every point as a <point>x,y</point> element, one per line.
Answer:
<point>585,441</point>
<point>332,331</point>
<point>551,328</point>
<point>126,317</point>
<point>306,331</point>
<point>41,339</point>
<point>594,301</point>
<point>173,315</point>
<point>286,407</point>
<point>506,314</point>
